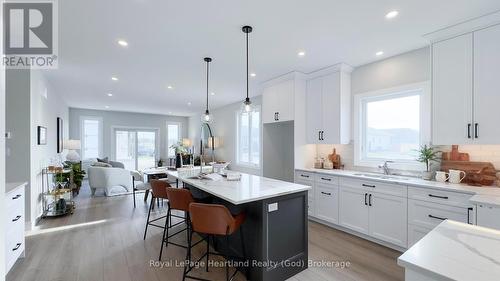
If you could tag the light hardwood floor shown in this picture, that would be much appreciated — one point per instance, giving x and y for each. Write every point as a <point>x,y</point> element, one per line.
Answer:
<point>103,240</point>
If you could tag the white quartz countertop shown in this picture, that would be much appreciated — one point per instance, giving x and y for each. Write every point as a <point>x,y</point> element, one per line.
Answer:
<point>248,189</point>
<point>487,192</point>
<point>456,251</point>
<point>9,186</point>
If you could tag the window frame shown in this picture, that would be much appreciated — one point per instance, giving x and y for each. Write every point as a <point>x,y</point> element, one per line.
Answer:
<point>179,132</point>
<point>249,164</point>
<point>383,94</point>
<point>100,136</point>
<point>134,129</point>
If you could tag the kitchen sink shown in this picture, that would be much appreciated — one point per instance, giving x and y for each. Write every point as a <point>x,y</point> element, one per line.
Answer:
<point>384,177</point>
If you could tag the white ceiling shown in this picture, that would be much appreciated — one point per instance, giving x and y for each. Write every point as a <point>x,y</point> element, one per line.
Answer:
<point>169,38</point>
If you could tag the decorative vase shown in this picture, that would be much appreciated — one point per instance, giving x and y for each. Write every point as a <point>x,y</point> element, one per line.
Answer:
<point>178,160</point>
<point>426,175</point>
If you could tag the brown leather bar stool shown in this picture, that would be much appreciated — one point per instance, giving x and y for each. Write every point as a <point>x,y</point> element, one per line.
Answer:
<point>159,191</point>
<point>213,220</point>
<point>178,199</point>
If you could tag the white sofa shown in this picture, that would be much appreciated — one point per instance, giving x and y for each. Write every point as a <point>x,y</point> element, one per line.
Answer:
<point>113,180</point>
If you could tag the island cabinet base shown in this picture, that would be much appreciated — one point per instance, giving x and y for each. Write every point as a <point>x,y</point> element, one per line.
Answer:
<point>275,236</point>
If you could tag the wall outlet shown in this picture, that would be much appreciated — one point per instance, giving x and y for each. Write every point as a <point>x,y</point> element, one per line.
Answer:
<point>272,207</point>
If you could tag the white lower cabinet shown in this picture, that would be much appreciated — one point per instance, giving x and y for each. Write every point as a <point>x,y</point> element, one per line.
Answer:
<point>388,218</point>
<point>353,209</point>
<point>327,203</point>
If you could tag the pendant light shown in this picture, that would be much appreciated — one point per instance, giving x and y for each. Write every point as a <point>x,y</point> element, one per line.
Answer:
<point>247,104</point>
<point>207,118</point>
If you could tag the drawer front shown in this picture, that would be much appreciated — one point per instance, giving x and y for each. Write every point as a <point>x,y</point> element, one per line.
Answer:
<point>310,192</point>
<point>429,214</point>
<point>15,218</point>
<point>375,186</point>
<point>415,233</point>
<point>14,246</point>
<point>327,203</point>
<point>304,176</point>
<point>15,197</point>
<point>326,179</point>
<point>439,196</point>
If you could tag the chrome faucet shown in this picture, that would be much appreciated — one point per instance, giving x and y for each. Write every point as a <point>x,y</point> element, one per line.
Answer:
<point>385,166</point>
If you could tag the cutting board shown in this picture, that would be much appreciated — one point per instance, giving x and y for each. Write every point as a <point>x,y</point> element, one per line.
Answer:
<point>477,173</point>
<point>455,155</point>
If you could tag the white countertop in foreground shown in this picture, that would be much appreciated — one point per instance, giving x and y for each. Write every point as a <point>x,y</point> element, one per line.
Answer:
<point>250,188</point>
<point>487,192</point>
<point>456,251</point>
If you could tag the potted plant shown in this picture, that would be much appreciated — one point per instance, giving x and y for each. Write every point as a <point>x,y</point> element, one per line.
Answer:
<point>78,175</point>
<point>179,151</point>
<point>427,155</point>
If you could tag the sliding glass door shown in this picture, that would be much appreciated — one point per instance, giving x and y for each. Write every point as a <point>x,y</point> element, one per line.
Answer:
<point>136,149</point>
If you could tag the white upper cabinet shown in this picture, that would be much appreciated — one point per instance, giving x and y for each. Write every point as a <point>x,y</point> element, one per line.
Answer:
<point>328,106</point>
<point>487,85</point>
<point>452,91</point>
<point>465,88</point>
<point>278,102</point>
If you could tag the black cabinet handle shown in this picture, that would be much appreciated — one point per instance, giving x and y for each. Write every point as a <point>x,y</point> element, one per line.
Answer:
<point>438,218</point>
<point>368,185</point>
<point>437,196</point>
<point>322,135</point>
<point>277,116</point>
<point>319,135</point>
<point>366,194</point>
<point>326,179</point>
<point>370,200</point>
<point>16,197</point>
<point>468,215</point>
<point>326,193</point>
<point>468,130</point>
<point>304,176</point>
<point>16,218</point>
<point>16,247</point>
<point>476,129</point>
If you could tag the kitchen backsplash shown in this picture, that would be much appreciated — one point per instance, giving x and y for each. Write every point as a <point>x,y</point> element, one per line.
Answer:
<point>482,153</point>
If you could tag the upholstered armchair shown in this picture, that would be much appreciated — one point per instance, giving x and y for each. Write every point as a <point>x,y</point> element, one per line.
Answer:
<point>113,180</point>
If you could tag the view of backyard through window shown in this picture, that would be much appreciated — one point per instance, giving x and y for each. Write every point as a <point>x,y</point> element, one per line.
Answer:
<point>249,138</point>
<point>136,149</point>
<point>391,126</point>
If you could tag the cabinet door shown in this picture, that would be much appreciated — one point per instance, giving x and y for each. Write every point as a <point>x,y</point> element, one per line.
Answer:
<point>314,108</point>
<point>310,195</point>
<point>487,85</point>
<point>285,100</point>
<point>353,213</point>
<point>327,203</point>
<point>269,104</point>
<point>331,108</point>
<point>388,218</point>
<point>452,91</point>
<point>488,216</point>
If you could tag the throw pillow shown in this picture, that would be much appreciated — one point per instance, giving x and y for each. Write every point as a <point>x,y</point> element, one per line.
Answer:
<point>101,164</point>
<point>103,160</point>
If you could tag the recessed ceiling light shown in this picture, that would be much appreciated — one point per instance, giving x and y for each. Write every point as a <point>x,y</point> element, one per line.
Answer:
<point>212,93</point>
<point>253,74</point>
<point>392,14</point>
<point>189,103</point>
<point>379,53</point>
<point>107,106</point>
<point>114,78</point>
<point>110,94</point>
<point>170,87</point>
<point>301,53</point>
<point>123,43</point>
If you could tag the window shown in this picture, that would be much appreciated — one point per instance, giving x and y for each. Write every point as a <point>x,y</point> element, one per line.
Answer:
<point>173,137</point>
<point>91,137</point>
<point>136,148</point>
<point>391,125</point>
<point>248,138</point>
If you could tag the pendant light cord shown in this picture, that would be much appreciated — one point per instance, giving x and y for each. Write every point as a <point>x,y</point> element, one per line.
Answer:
<point>207,84</point>
<point>247,65</point>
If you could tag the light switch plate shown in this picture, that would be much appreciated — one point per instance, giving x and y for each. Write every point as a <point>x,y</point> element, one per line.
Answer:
<point>272,207</point>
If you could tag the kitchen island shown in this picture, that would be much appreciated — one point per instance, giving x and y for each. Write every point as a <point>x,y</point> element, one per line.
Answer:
<point>275,230</point>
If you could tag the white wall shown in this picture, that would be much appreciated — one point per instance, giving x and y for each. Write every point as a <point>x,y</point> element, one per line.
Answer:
<point>113,119</point>
<point>45,106</point>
